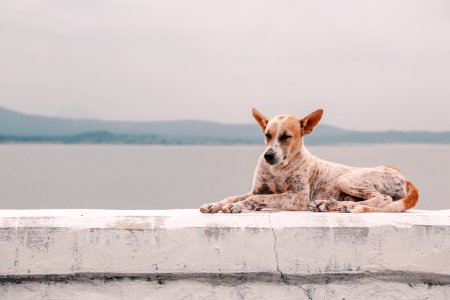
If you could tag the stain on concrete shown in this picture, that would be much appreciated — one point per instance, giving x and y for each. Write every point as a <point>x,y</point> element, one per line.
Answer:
<point>7,234</point>
<point>216,233</point>
<point>355,235</point>
<point>409,278</point>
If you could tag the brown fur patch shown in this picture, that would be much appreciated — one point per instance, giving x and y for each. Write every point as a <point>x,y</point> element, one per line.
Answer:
<point>291,124</point>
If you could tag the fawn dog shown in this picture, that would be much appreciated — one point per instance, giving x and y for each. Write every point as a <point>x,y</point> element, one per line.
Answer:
<point>289,177</point>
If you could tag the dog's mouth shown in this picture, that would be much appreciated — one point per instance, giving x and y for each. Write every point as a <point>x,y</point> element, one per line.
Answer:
<point>272,162</point>
<point>276,161</point>
<point>272,158</point>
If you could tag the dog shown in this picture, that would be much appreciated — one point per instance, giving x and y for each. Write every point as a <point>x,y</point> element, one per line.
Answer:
<point>289,177</point>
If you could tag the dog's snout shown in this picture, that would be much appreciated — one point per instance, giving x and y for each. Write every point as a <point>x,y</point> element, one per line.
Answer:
<point>269,156</point>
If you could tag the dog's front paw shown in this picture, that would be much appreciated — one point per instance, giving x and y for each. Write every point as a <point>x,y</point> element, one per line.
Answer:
<point>323,205</point>
<point>210,208</point>
<point>232,208</point>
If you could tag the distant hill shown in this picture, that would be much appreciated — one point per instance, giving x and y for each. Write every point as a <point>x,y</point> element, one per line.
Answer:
<point>18,127</point>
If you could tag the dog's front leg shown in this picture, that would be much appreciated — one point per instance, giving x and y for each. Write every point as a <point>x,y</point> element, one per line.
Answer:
<point>285,201</point>
<point>216,206</point>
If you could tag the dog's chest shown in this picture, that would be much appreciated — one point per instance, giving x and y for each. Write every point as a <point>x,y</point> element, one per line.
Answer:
<point>324,190</point>
<point>280,186</point>
<point>271,184</point>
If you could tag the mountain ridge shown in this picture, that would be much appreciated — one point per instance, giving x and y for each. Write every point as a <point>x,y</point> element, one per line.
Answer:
<point>20,127</point>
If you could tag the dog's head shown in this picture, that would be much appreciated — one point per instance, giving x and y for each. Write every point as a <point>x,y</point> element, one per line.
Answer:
<point>284,134</point>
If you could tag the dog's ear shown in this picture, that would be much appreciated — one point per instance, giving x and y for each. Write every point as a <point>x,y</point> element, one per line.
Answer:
<point>310,121</point>
<point>260,118</point>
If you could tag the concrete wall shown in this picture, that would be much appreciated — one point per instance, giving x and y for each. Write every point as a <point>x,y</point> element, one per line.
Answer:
<point>103,254</point>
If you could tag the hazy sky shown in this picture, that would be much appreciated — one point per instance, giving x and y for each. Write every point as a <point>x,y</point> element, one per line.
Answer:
<point>370,64</point>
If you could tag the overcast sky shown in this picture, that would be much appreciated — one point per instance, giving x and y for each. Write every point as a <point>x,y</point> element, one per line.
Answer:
<point>371,65</point>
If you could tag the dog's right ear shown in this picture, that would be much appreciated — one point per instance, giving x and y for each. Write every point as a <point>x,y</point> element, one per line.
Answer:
<point>260,118</point>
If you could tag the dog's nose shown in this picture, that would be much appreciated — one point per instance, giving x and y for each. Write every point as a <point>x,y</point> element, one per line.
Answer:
<point>269,156</point>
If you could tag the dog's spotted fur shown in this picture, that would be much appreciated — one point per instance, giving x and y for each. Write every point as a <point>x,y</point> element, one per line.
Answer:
<point>289,177</point>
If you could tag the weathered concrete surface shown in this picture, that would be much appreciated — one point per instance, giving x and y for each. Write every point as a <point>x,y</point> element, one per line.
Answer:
<point>75,254</point>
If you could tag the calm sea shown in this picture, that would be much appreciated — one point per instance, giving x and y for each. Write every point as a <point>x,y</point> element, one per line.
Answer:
<point>165,177</point>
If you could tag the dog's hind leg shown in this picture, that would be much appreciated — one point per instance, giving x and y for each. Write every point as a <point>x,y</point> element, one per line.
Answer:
<point>320,205</point>
<point>365,190</point>
<point>356,189</point>
<point>409,201</point>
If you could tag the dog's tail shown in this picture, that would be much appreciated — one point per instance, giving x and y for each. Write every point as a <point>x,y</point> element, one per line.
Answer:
<point>408,202</point>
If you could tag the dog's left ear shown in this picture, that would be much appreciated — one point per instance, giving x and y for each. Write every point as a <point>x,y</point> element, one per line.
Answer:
<point>310,121</point>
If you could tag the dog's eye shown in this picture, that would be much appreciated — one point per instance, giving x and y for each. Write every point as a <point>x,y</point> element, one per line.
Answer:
<point>285,137</point>
<point>268,135</point>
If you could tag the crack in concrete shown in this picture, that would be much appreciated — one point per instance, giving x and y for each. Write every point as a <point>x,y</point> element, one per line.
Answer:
<point>282,276</point>
<point>306,291</point>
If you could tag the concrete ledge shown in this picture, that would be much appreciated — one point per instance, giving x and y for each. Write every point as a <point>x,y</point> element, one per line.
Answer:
<point>255,253</point>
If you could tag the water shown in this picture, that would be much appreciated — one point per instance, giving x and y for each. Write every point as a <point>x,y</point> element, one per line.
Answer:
<point>165,177</point>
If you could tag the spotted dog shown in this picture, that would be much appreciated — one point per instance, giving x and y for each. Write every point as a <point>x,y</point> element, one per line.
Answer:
<point>289,177</point>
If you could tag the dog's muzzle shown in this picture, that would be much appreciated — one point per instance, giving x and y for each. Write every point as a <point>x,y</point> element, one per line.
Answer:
<point>269,156</point>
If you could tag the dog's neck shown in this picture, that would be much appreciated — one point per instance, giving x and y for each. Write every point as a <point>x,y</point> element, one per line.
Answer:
<point>301,156</point>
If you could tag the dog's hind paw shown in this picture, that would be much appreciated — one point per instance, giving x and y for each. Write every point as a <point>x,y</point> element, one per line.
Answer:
<point>232,208</point>
<point>210,208</point>
<point>323,205</point>
<point>345,209</point>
